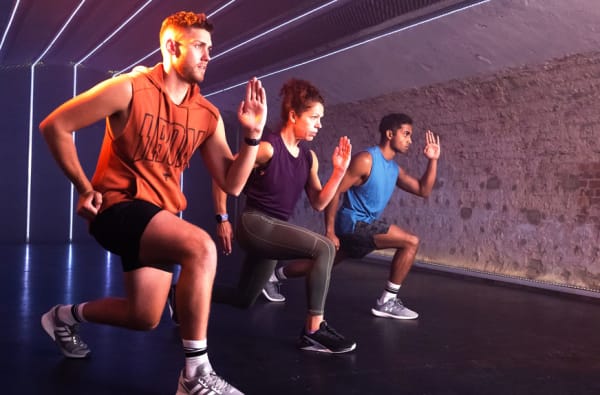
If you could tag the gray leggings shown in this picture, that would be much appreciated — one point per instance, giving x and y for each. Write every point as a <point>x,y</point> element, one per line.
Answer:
<point>266,240</point>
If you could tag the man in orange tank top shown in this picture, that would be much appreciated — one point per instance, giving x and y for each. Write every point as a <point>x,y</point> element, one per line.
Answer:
<point>155,119</point>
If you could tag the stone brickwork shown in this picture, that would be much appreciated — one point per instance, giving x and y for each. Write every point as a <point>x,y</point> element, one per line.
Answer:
<point>518,187</point>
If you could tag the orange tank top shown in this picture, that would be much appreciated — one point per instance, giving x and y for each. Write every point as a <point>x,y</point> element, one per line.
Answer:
<point>147,160</point>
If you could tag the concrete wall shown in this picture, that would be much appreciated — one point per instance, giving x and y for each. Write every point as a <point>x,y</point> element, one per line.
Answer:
<point>518,186</point>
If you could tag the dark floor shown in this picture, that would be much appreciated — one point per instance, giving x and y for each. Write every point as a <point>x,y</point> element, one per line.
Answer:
<point>473,336</point>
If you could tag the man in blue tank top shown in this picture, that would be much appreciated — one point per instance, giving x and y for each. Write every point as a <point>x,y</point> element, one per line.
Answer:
<point>369,182</point>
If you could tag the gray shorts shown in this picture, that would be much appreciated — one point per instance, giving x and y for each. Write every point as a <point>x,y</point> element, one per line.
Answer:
<point>361,242</point>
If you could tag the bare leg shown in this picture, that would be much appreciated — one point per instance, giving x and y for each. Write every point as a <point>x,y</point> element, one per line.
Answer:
<point>167,239</point>
<point>406,245</point>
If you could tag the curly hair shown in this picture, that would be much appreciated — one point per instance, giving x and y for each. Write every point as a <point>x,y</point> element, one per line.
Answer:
<point>298,96</point>
<point>186,19</point>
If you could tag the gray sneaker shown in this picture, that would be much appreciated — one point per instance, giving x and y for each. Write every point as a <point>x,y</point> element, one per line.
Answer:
<point>394,308</point>
<point>65,336</point>
<point>272,292</point>
<point>210,384</point>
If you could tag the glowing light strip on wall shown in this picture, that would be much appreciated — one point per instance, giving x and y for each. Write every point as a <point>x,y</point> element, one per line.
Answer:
<point>139,61</point>
<point>352,46</point>
<point>31,94</point>
<point>10,21</point>
<point>106,40</point>
<point>274,29</point>
<point>113,33</point>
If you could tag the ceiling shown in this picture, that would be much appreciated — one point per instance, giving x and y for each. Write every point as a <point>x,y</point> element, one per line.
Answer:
<point>410,43</point>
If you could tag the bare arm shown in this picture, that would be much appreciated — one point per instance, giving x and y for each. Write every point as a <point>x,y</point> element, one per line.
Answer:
<point>423,186</point>
<point>318,196</point>
<point>358,171</point>
<point>110,98</point>
<point>228,172</point>
<point>224,229</point>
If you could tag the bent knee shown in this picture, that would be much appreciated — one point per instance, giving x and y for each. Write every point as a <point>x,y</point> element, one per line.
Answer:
<point>413,242</point>
<point>202,249</point>
<point>326,247</point>
<point>144,321</point>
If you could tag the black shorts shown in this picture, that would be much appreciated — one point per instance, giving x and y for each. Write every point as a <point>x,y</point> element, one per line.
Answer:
<point>361,242</point>
<point>119,229</point>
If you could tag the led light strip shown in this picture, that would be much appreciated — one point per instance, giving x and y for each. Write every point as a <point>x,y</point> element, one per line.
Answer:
<point>137,62</point>
<point>31,94</point>
<point>113,33</point>
<point>10,21</point>
<point>106,40</point>
<point>273,29</point>
<point>352,46</point>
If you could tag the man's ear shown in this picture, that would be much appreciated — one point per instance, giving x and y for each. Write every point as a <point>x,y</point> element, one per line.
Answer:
<point>389,134</point>
<point>171,46</point>
<point>292,116</point>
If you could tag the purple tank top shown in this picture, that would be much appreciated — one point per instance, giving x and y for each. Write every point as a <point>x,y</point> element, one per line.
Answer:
<point>276,187</point>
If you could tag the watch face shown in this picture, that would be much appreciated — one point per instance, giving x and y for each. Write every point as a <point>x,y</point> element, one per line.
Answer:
<point>221,218</point>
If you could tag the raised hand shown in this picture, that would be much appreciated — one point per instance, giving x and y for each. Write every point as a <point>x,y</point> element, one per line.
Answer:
<point>342,154</point>
<point>432,146</point>
<point>252,112</point>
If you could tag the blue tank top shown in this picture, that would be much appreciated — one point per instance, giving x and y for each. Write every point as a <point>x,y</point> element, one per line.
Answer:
<point>276,187</point>
<point>366,202</point>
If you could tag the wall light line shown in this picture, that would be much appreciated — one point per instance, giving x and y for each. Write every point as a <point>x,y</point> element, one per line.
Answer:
<point>10,21</point>
<point>30,136</point>
<point>114,33</point>
<point>72,188</point>
<point>60,32</point>
<point>139,61</point>
<point>351,46</point>
<point>274,29</point>
<point>75,66</point>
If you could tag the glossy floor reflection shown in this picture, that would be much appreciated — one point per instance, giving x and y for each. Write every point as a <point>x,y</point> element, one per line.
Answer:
<point>473,336</point>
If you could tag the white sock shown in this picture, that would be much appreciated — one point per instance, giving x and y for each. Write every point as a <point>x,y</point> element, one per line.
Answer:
<point>273,278</point>
<point>71,314</point>
<point>196,357</point>
<point>280,274</point>
<point>390,292</point>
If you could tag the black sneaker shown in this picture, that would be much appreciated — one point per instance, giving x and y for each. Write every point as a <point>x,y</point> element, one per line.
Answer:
<point>171,304</point>
<point>325,339</point>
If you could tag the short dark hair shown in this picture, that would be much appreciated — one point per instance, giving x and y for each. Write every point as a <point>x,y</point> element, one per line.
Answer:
<point>393,122</point>
<point>298,95</point>
<point>186,19</point>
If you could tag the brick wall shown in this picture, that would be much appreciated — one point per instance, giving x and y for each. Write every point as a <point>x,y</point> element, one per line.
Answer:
<point>518,186</point>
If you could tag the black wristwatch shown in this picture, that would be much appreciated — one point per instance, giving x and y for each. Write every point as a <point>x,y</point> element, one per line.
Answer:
<point>222,218</point>
<point>251,142</point>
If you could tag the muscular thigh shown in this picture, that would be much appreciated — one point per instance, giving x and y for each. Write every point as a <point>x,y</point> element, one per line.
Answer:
<point>147,289</point>
<point>170,239</point>
<point>395,237</point>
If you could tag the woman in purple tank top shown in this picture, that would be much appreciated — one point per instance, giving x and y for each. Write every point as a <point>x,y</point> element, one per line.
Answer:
<point>283,169</point>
